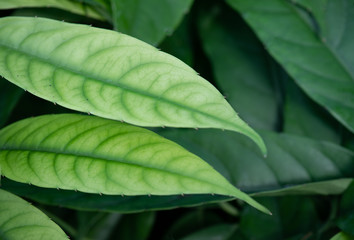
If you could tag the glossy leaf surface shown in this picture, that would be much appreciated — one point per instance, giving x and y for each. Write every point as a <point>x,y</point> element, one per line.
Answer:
<point>20,220</point>
<point>110,75</point>
<point>322,65</point>
<point>96,155</point>
<point>67,5</point>
<point>148,20</point>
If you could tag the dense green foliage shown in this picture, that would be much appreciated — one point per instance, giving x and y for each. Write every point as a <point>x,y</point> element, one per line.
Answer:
<point>286,67</point>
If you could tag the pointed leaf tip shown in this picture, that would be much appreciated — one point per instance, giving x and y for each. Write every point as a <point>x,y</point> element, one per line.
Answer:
<point>96,155</point>
<point>112,75</point>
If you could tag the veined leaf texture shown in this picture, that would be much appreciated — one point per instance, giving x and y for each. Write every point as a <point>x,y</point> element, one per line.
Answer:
<point>97,155</point>
<point>111,75</point>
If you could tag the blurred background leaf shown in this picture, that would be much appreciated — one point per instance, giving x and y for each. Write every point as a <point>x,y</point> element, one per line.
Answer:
<point>148,20</point>
<point>321,64</point>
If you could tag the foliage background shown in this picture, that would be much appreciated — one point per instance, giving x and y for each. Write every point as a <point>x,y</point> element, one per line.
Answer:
<point>271,75</point>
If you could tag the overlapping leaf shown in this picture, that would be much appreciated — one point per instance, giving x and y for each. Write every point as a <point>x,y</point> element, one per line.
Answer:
<point>67,5</point>
<point>148,20</point>
<point>20,220</point>
<point>291,161</point>
<point>97,155</point>
<point>303,117</point>
<point>9,96</point>
<point>322,65</point>
<point>123,204</point>
<point>110,75</point>
<point>241,66</point>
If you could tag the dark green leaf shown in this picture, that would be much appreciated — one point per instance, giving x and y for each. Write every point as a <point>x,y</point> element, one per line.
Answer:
<point>241,67</point>
<point>291,161</point>
<point>346,221</point>
<point>125,204</point>
<point>135,226</point>
<point>303,117</point>
<point>216,232</point>
<point>322,65</point>
<point>96,225</point>
<point>9,96</point>
<point>148,20</point>
<point>337,186</point>
<point>291,216</point>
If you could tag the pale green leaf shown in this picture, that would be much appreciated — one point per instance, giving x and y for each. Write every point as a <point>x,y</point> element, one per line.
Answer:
<point>148,20</point>
<point>20,220</point>
<point>67,5</point>
<point>323,64</point>
<point>110,75</point>
<point>96,155</point>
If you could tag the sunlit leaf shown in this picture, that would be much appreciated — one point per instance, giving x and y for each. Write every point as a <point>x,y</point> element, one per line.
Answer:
<point>67,5</point>
<point>20,220</point>
<point>96,155</point>
<point>110,75</point>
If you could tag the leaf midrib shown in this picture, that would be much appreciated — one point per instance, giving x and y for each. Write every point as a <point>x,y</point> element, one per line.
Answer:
<point>116,160</point>
<point>125,88</point>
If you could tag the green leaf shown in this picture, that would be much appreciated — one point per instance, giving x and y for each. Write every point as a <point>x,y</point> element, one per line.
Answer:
<point>67,5</point>
<point>346,220</point>
<point>123,204</point>
<point>20,220</point>
<point>322,65</point>
<point>96,225</point>
<point>96,155</point>
<point>341,236</point>
<point>9,96</point>
<point>180,44</point>
<point>148,20</point>
<point>304,117</point>
<point>292,216</point>
<point>329,187</point>
<point>241,66</point>
<point>217,232</point>
<point>110,75</point>
<point>135,226</point>
<point>291,161</point>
